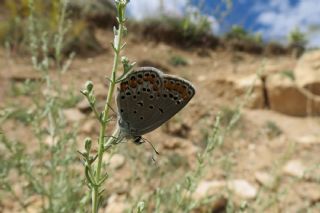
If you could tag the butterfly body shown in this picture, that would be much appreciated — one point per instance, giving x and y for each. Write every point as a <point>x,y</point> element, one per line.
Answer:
<point>147,98</point>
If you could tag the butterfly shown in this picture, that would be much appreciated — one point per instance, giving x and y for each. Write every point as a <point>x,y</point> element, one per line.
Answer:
<point>147,98</point>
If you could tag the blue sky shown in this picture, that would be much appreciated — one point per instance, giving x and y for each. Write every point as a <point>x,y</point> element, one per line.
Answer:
<point>274,19</point>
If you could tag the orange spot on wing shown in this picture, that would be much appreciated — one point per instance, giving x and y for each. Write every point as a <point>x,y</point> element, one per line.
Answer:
<point>140,81</point>
<point>151,80</point>
<point>133,83</point>
<point>155,87</point>
<point>123,87</point>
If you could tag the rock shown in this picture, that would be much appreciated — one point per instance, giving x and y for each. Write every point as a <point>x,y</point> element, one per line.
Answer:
<point>265,179</point>
<point>119,186</point>
<point>256,98</point>
<point>117,204</point>
<point>286,97</point>
<point>117,161</point>
<point>35,202</point>
<point>21,73</point>
<point>307,72</point>
<point>243,188</point>
<point>177,128</point>
<point>310,191</point>
<point>238,87</point>
<point>84,106</point>
<point>89,126</point>
<point>73,115</point>
<point>51,141</point>
<point>308,140</point>
<point>294,168</point>
<point>173,143</point>
<point>208,188</point>
<point>201,78</point>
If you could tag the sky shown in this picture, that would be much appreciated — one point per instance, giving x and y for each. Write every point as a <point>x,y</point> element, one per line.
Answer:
<point>274,19</point>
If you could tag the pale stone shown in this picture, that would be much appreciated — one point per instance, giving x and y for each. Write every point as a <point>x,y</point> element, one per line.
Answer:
<point>310,191</point>
<point>308,140</point>
<point>51,141</point>
<point>84,105</point>
<point>265,179</point>
<point>307,72</point>
<point>284,96</point>
<point>299,97</point>
<point>208,188</point>
<point>294,168</point>
<point>73,115</point>
<point>244,84</point>
<point>201,78</point>
<point>116,204</point>
<point>173,144</point>
<point>243,188</point>
<point>117,161</point>
<point>89,126</point>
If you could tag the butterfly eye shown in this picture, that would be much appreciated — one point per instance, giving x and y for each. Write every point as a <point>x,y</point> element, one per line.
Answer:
<point>134,97</point>
<point>165,95</point>
<point>122,97</point>
<point>128,93</point>
<point>141,118</point>
<point>121,110</point>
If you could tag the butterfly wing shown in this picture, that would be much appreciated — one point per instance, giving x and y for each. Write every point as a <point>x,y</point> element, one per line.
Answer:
<point>153,102</point>
<point>135,98</point>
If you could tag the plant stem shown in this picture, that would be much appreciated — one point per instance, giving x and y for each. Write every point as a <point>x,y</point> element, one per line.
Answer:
<point>104,119</point>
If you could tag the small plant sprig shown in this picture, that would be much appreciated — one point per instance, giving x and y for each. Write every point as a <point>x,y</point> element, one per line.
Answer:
<point>93,164</point>
<point>48,168</point>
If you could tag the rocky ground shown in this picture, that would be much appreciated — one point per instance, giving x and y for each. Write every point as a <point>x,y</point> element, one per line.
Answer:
<point>269,161</point>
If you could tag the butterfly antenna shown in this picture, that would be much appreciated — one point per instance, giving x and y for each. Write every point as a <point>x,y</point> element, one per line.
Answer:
<point>152,147</point>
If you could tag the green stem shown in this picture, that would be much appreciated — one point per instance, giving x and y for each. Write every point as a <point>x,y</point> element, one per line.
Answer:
<point>105,116</point>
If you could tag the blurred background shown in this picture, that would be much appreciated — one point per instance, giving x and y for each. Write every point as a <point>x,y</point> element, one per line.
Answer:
<point>249,140</point>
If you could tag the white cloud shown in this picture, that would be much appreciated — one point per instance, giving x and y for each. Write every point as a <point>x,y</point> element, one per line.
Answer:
<point>280,18</point>
<point>140,9</point>
<point>196,17</point>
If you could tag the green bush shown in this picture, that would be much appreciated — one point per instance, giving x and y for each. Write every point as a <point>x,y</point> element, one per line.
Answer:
<point>177,60</point>
<point>296,37</point>
<point>14,30</point>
